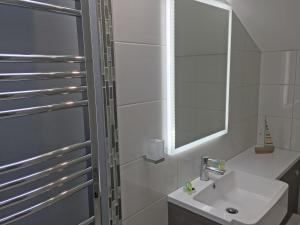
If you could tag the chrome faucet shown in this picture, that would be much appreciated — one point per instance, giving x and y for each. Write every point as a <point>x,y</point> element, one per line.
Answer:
<point>204,169</point>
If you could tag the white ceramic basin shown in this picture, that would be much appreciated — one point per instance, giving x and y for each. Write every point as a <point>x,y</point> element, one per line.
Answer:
<point>258,200</point>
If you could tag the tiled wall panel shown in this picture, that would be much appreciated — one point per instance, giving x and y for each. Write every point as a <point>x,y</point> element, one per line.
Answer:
<point>280,98</point>
<point>110,110</point>
<point>139,38</point>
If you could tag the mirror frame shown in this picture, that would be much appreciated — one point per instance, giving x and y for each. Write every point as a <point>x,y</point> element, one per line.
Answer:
<point>170,80</point>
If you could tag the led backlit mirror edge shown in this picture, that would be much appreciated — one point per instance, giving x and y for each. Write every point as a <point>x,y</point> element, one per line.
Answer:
<point>170,81</point>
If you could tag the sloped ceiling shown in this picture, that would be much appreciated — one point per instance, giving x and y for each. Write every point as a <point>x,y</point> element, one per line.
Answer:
<point>273,24</point>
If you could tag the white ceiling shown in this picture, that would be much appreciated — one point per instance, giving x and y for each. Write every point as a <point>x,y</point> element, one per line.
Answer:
<point>273,24</point>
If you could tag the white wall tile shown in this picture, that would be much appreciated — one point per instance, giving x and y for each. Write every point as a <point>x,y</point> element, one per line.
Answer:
<point>278,67</point>
<point>242,135</point>
<point>296,113</point>
<point>156,214</point>
<point>139,21</point>
<point>295,141</point>
<point>295,137</point>
<point>298,69</point>
<point>243,102</point>
<point>250,45</point>
<point>144,183</point>
<point>188,166</point>
<point>237,68</point>
<point>251,68</point>
<point>238,35</point>
<point>138,124</point>
<point>138,73</point>
<point>237,103</point>
<point>276,100</point>
<point>280,129</point>
<point>250,99</point>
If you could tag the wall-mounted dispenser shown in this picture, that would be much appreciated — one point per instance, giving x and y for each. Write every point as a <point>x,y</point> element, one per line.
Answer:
<point>154,151</point>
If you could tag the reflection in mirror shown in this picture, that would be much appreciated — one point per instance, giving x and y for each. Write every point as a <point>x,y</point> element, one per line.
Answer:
<point>199,47</point>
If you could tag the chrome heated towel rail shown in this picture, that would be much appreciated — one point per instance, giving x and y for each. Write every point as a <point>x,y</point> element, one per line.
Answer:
<point>89,60</point>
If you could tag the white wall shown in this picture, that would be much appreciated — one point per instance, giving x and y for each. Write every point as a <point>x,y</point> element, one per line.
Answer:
<point>280,98</point>
<point>272,23</point>
<point>139,43</point>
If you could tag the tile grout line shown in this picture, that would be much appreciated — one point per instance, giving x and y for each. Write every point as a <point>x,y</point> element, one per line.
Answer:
<point>280,51</point>
<point>145,208</point>
<point>259,101</point>
<point>131,161</point>
<point>292,84</point>
<point>270,115</point>
<point>177,171</point>
<point>293,101</point>
<point>139,43</point>
<point>139,103</point>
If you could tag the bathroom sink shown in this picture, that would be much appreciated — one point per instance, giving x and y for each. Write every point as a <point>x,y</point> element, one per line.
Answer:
<point>236,198</point>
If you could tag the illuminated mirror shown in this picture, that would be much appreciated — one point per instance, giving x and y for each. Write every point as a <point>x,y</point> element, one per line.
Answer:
<point>198,72</point>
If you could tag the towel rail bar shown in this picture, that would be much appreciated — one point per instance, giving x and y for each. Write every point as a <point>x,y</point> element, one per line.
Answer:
<point>94,155</point>
<point>88,221</point>
<point>4,96</point>
<point>44,157</point>
<point>42,6</point>
<point>44,173</point>
<point>19,58</point>
<point>41,109</point>
<point>41,76</point>
<point>38,207</point>
<point>40,190</point>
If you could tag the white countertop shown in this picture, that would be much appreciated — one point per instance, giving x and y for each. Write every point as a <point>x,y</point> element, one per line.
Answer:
<point>271,166</point>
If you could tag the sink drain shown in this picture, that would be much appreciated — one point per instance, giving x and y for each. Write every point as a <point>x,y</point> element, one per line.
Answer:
<point>232,211</point>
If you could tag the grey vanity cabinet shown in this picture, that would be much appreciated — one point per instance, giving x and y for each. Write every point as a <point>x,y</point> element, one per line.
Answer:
<point>292,178</point>
<point>181,216</point>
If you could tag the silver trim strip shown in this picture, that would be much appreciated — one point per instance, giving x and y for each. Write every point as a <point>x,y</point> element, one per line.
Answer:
<point>41,76</point>
<point>41,109</point>
<point>4,96</point>
<point>42,6</point>
<point>44,157</point>
<point>88,221</point>
<point>44,173</point>
<point>19,58</point>
<point>91,43</point>
<point>33,209</point>
<point>40,190</point>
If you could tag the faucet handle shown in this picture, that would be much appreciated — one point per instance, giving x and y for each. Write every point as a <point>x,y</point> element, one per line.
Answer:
<point>203,165</point>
